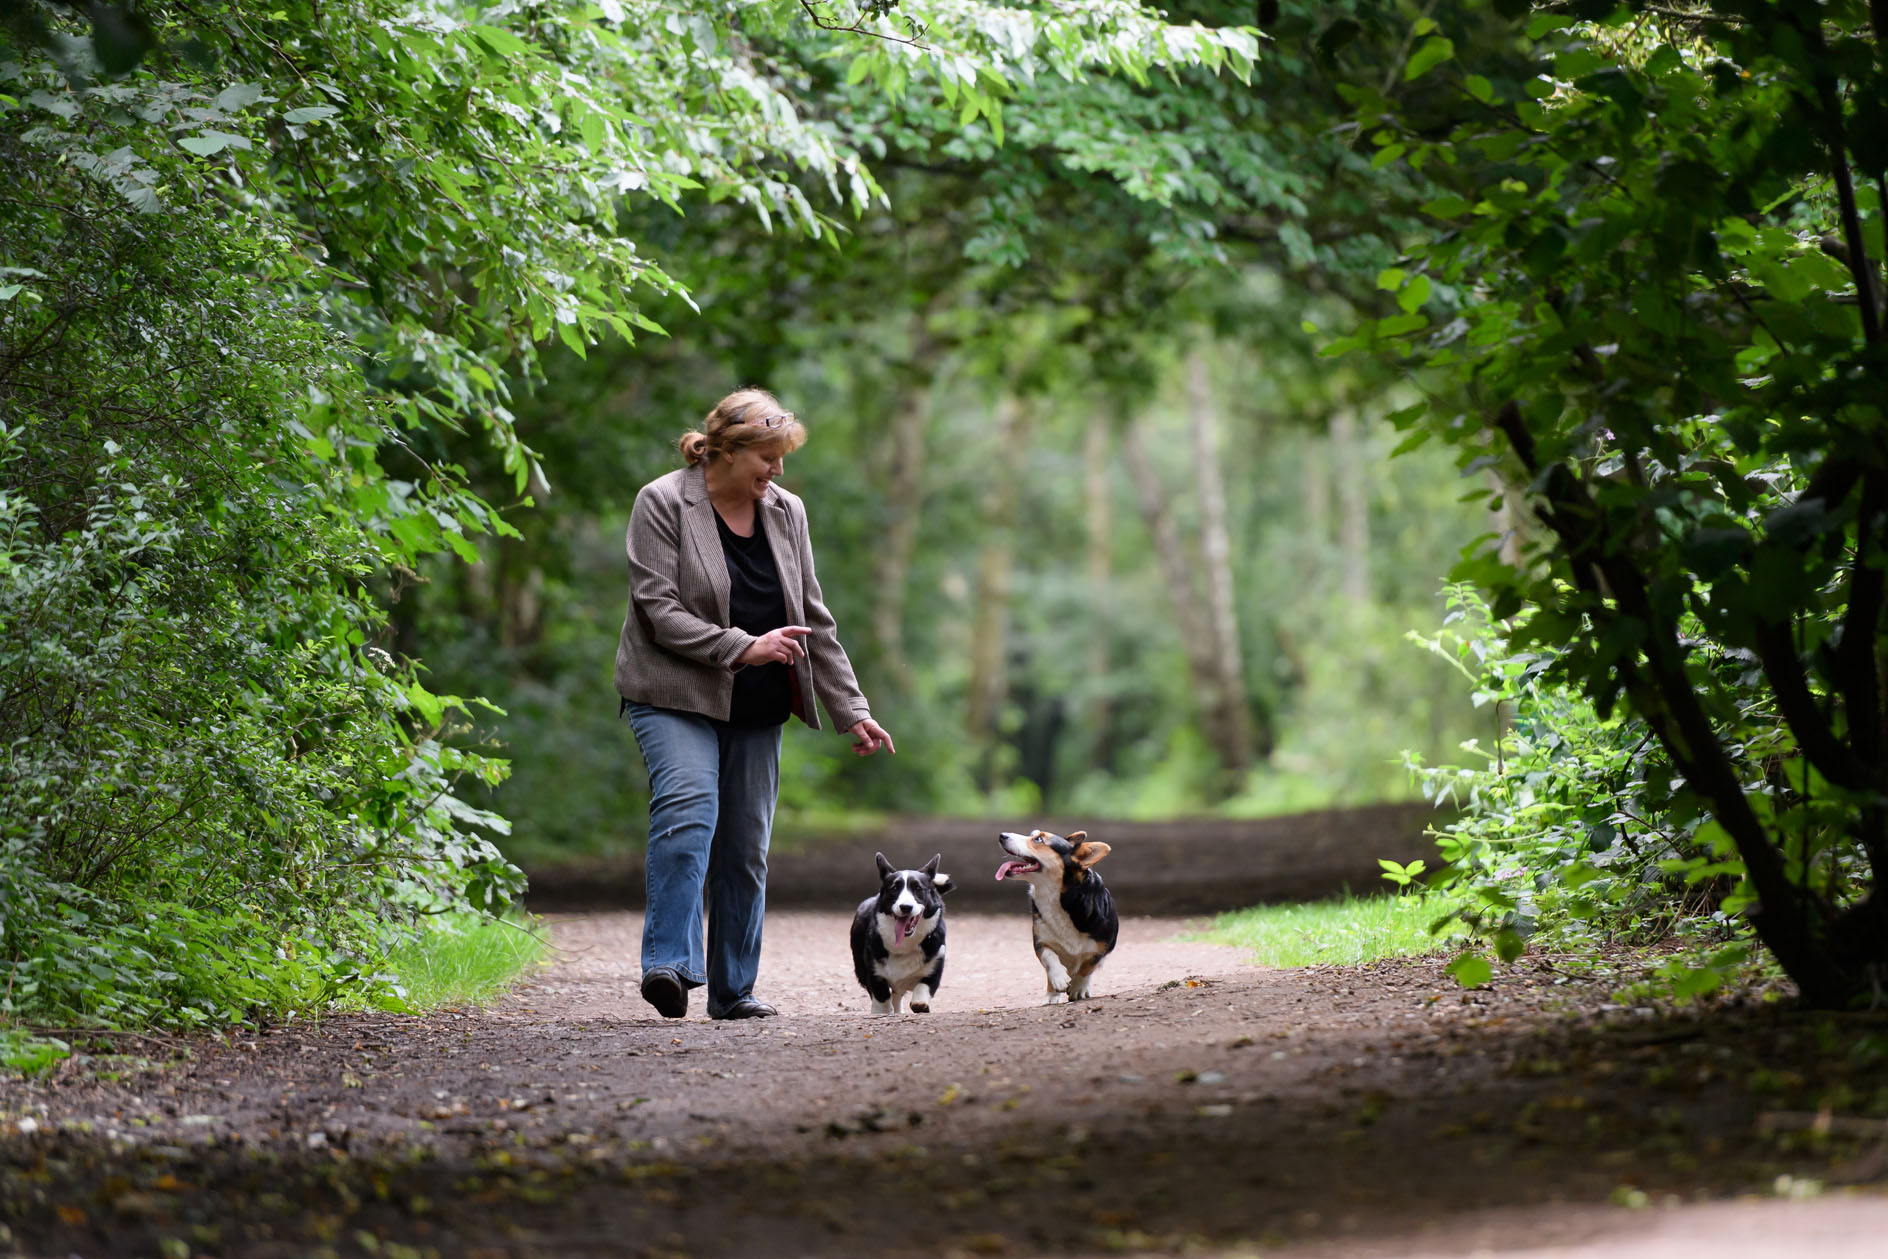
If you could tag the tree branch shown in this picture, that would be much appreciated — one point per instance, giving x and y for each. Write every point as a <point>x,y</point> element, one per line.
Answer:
<point>1831,108</point>
<point>854,28</point>
<point>1814,735</point>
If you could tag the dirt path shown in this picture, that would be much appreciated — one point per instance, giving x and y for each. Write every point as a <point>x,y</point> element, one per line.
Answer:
<point>1199,1105</point>
<point>806,965</point>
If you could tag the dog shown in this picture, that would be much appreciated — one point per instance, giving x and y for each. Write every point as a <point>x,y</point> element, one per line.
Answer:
<point>1071,915</point>
<point>898,937</point>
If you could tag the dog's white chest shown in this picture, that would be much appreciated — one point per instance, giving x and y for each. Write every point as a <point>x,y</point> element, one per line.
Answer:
<point>904,960</point>
<point>1054,930</point>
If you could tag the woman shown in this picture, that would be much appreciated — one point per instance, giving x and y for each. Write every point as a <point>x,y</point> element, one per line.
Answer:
<point>726,635</point>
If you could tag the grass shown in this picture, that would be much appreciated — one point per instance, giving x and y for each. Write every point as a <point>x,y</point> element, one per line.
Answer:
<point>460,960</point>
<point>1348,930</point>
<point>467,959</point>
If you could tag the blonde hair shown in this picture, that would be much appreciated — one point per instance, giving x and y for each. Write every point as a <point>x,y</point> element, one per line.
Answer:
<point>737,422</point>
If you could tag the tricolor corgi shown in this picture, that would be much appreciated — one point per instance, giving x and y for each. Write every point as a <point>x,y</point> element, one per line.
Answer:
<point>1072,916</point>
<point>898,937</point>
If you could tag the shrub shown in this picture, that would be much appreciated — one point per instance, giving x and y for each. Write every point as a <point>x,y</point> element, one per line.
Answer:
<point>1574,827</point>
<point>217,796</point>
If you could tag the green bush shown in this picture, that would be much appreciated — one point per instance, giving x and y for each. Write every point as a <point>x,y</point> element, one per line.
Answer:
<point>1573,829</point>
<point>218,798</point>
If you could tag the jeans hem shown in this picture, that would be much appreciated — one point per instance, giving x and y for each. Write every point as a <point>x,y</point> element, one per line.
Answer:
<point>690,979</point>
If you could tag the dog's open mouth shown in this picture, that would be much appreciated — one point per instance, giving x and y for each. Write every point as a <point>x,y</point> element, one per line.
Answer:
<point>1018,868</point>
<point>904,925</point>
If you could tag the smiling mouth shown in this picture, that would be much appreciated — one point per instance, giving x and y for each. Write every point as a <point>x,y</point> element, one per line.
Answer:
<point>903,926</point>
<point>1017,868</point>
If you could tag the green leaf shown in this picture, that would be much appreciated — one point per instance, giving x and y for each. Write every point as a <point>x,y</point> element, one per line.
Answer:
<point>428,704</point>
<point>1471,970</point>
<point>501,42</point>
<point>1508,945</point>
<point>210,143</point>
<point>237,96</point>
<point>310,113</point>
<point>1433,52</point>
<point>1397,325</point>
<point>595,130</point>
<point>1697,981</point>
<point>1414,294</point>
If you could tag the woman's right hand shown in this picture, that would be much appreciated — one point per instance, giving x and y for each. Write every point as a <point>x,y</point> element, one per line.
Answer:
<point>781,645</point>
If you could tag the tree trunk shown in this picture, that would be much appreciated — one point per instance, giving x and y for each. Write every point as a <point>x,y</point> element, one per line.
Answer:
<point>989,647</point>
<point>1100,531</point>
<point>1350,465</point>
<point>1177,567</point>
<point>1222,621</point>
<point>1316,533</point>
<point>1511,519</point>
<point>904,493</point>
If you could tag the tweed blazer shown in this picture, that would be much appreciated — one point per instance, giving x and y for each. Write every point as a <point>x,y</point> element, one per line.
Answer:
<point>677,649</point>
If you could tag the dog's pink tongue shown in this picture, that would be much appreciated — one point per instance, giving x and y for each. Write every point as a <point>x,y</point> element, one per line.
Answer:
<point>1003,871</point>
<point>906,926</point>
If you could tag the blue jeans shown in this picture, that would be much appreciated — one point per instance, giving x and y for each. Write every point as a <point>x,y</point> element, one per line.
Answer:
<point>712,789</point>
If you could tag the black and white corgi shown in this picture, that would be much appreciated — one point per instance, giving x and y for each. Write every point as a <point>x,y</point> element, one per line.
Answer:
<point>898,937</point>
<point>1072,916</point>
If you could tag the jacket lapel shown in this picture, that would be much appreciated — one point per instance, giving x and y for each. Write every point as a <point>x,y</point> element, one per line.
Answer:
<point>698,517</point>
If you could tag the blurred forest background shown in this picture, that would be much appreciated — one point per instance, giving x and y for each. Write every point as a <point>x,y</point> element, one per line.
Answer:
<point>1104,533</point>
<point>1016,571</point>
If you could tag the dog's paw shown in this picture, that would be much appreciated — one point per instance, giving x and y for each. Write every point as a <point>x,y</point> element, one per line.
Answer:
<point>1055,998</point>
<point>920,1007</point>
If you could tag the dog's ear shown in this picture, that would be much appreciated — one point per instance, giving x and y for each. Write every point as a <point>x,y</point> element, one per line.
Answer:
<point>1088,853</point>
<point>930,867</point>
<point>1076,837</point>
<point>885,867</point>
<point>942,882</point>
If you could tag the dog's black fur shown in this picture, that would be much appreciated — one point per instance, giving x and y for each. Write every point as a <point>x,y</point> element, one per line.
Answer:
<point>898,937</point>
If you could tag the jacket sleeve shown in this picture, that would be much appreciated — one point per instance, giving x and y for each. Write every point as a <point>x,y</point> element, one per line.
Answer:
<point>832,671</point>
<point>654,547</point>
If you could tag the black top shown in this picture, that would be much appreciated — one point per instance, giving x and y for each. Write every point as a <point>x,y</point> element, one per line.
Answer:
<point>763,694</point>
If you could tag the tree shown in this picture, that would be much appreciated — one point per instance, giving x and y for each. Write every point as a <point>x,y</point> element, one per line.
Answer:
<point>1655,293</point>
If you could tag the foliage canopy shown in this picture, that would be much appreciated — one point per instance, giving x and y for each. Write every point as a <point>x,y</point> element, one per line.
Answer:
<point>1653,293</point>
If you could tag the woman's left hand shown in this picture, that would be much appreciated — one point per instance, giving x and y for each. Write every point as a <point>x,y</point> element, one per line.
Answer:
<point>871,737</point>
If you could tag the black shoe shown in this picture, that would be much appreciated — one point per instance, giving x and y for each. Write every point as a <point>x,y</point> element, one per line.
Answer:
<point>663,989</point>
<point>748,1008</point>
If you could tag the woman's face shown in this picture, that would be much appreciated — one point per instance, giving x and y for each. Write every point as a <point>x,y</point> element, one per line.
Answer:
<point>753,468</point>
